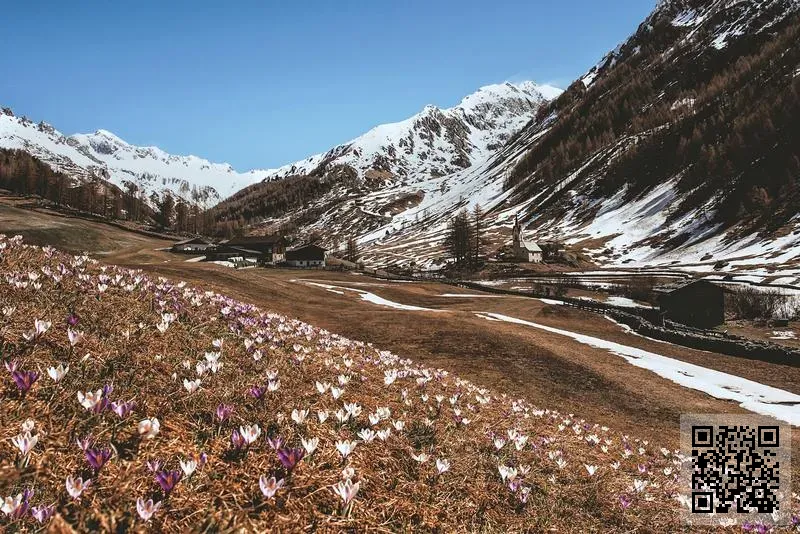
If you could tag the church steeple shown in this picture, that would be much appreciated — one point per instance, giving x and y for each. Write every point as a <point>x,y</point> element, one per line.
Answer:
<point>517,232</point>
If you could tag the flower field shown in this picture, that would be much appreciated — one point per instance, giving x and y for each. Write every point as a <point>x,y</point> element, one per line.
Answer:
<point>136,403</point>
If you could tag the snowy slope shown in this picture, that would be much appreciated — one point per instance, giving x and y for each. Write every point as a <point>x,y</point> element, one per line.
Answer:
<point>651,228</point>
<point>151,169</point>
<point>433,142</point>
<point>436,142</point>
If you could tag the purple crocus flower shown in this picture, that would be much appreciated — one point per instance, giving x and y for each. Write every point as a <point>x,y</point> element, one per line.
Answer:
<point>202,459</point>
<point>72,319</point>
<point>24,379</point>
<point>97,458</point>
<point>275,442</point>
<point>237,440</point>
<point>123,408</point>
<point>43,513</point>
<point>223,412</point>
<point>24,505</point>
<point>168,480</point>
<point>290,457</point>
<point>624,501</point>
<point>84,443</point>
<point>153,465</point>
<point>108,389</point>
<point>257,391</point>
<point>11,365</point>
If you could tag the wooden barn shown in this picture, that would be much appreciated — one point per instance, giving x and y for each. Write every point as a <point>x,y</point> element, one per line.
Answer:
<point>271,248</point>
<point>306,256</point>
<point>700,304</point>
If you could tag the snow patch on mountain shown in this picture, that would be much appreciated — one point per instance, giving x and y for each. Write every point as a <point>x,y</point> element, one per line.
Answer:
<point>436,142</point>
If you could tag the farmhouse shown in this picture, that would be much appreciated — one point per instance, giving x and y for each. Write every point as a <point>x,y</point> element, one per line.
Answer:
<point>195,245</point>
<point>306,256</point>
<point>700,303</point>
<point>525,251</point>
<point>271,248</point>
<point>225,252</point>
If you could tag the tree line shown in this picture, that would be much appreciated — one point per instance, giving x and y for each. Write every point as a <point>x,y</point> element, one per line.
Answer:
<point>465,240</point>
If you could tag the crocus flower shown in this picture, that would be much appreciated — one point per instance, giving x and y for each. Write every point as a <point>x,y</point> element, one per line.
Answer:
<point>96,457</point>
<point>123,408</point>
<point>191,385</point>
<point>346,490</point>
<point>289,457</point>
<point>154,465</point>
<point>442,465</point>
<point>91,399</point>
<point>237,440</point>
<point>74,336</point>
<point>270,486</point>
<point>223,412</point>
<point>591,469</point>
<point>421,457</point>
<point>76,486</point>
<point>168,480</point>
<point>275,442</point>
<point>12,505</point>
<point>257,392</point>
<point>57,373</point>
<point>624,501</point>
<point>366,434</point>
<point>188,467</point>
<point>24,379</point>
<point>147,508</point>
<point>250,433</point>
<point>41,326</point>
<point>299,416</point>
<point>72,319</point>
<point>25,442</point>
<point>310,445</point>
<point>43,513</point>
<point>345,447</point>
<point>149,428</point>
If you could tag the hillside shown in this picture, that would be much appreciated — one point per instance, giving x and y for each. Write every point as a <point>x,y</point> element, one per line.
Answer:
<point>679,146</point>
<point>142,171</point>
<point>197,396</point>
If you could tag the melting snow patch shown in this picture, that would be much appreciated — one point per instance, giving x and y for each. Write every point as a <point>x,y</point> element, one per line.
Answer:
<point>369,297</point>
<point>759,398</point>
<point>783,334</point>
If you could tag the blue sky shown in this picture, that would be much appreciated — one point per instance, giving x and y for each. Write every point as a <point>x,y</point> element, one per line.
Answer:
<point>263,83</point>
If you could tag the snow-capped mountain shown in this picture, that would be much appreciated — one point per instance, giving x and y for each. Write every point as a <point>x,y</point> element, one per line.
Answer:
<point>681,146</point>
<point>107,156</point>
<point>435,141</point>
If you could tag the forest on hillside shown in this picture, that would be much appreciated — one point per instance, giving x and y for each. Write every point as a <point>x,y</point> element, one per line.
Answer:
<point>724,122</point>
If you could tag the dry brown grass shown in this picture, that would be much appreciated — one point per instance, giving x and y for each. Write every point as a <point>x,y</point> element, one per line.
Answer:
<point>125,348</point>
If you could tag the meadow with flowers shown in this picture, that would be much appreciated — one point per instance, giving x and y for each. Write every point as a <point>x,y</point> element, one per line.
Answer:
<point>139,403</point>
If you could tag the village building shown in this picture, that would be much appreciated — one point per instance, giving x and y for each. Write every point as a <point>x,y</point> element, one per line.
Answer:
<point>306,256</point>
<point>195,245</point>
<point>525,251</point>
<point>271,249</point>
<point>225,252</point>
<point>699,304</point>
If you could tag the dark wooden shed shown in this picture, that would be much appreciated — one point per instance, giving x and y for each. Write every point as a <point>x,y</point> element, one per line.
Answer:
<point>700,304</point>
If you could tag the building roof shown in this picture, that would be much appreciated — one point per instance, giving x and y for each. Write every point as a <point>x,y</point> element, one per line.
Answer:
<point>255,240</point>
<point>193,241</point>
<point>530,246</point>
<point>680,286</point>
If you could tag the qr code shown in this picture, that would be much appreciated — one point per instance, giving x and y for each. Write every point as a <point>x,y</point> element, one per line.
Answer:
<point>735,469</point>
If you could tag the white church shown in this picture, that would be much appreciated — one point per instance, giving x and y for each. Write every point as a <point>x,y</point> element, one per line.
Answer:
<point>525,251</point>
